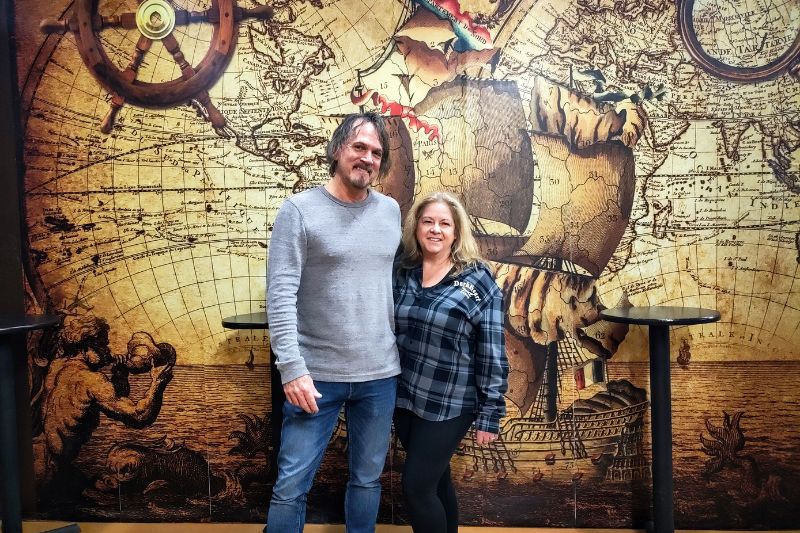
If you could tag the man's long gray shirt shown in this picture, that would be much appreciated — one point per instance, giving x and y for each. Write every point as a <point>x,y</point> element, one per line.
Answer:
<point>329,287</point>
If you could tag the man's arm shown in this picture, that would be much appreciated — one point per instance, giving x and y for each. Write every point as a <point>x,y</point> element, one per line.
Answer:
<point>285,262</point>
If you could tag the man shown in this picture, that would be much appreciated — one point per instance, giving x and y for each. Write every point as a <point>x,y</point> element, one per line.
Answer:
<point>331,318</point>
<point>76,391</point>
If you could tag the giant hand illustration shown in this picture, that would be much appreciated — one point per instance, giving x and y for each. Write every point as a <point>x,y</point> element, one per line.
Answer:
<point>544,307</point>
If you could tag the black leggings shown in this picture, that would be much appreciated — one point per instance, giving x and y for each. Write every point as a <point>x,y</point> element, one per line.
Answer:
<point>427,487</point>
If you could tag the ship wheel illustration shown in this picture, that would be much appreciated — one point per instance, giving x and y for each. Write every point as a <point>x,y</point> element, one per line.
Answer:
<point>156,20</point>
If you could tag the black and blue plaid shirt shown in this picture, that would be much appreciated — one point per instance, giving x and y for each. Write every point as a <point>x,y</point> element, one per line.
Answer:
<point>452,349</point>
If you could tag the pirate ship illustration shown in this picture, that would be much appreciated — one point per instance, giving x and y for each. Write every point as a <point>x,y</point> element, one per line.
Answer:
<point>548,180</point>
<point>549,208</point>
<point>600,435</point>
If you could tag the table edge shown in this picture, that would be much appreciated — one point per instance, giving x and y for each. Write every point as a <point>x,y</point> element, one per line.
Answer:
<point>664,321</point>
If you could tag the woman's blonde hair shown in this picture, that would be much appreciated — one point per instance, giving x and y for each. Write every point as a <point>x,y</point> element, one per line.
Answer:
<point>463,253</point>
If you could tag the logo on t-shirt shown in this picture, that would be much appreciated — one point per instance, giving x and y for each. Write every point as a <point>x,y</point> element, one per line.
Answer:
<point>468,290</point>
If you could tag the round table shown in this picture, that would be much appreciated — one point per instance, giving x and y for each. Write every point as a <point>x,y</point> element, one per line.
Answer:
<point>659,319</point>
<point>246,321</point>
<point>259,321</point>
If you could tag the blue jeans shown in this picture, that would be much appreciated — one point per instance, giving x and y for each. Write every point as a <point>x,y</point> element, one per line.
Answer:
<point>368,411</point>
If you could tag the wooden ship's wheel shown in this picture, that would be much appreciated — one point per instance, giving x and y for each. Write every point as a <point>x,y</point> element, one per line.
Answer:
<point>155,20</point>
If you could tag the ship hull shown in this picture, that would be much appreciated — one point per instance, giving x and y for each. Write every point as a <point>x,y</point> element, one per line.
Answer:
<point>575,445</point>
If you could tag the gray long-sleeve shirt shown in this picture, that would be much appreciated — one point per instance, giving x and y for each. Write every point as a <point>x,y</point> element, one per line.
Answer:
<point>329,287</point>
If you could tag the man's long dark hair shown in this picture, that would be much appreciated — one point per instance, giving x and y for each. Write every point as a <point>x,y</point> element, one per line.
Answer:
<point>344,132</point>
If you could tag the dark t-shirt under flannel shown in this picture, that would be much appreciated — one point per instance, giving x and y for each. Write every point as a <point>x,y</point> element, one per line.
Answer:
<point>452,349</point>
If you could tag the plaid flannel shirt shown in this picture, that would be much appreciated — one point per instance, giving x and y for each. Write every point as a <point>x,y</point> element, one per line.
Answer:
<point>452,349</point>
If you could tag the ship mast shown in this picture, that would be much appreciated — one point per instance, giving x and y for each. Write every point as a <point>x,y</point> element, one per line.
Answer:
<point>551,391</point>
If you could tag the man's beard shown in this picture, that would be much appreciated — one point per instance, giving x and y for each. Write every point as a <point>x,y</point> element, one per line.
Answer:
<point>360,182</point>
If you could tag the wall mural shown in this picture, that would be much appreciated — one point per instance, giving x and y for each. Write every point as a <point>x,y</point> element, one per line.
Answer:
<point>609,152</point>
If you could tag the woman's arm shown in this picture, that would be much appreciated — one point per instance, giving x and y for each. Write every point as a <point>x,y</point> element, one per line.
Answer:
<point>491,365</point>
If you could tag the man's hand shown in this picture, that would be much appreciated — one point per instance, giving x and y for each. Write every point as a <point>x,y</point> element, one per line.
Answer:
<point>301,393</point>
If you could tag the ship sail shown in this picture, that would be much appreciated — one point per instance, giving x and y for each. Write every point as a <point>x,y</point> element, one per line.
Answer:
<point>584,197</point>
<point>535,199</point>
<point>485,156</point>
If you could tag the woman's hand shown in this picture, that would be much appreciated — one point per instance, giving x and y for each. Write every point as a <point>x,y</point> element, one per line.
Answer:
<point>482,438</point>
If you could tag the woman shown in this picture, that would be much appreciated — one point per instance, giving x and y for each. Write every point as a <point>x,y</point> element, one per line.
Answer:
<point>449,327</point>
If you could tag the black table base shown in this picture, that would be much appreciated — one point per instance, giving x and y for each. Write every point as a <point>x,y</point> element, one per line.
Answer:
<point>659,319</point>
<point>661,430</point>
<point>11,328</point>
<point>9,459</point>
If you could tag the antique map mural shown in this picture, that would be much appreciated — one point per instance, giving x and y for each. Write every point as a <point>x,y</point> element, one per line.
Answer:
<point>609,152</point>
